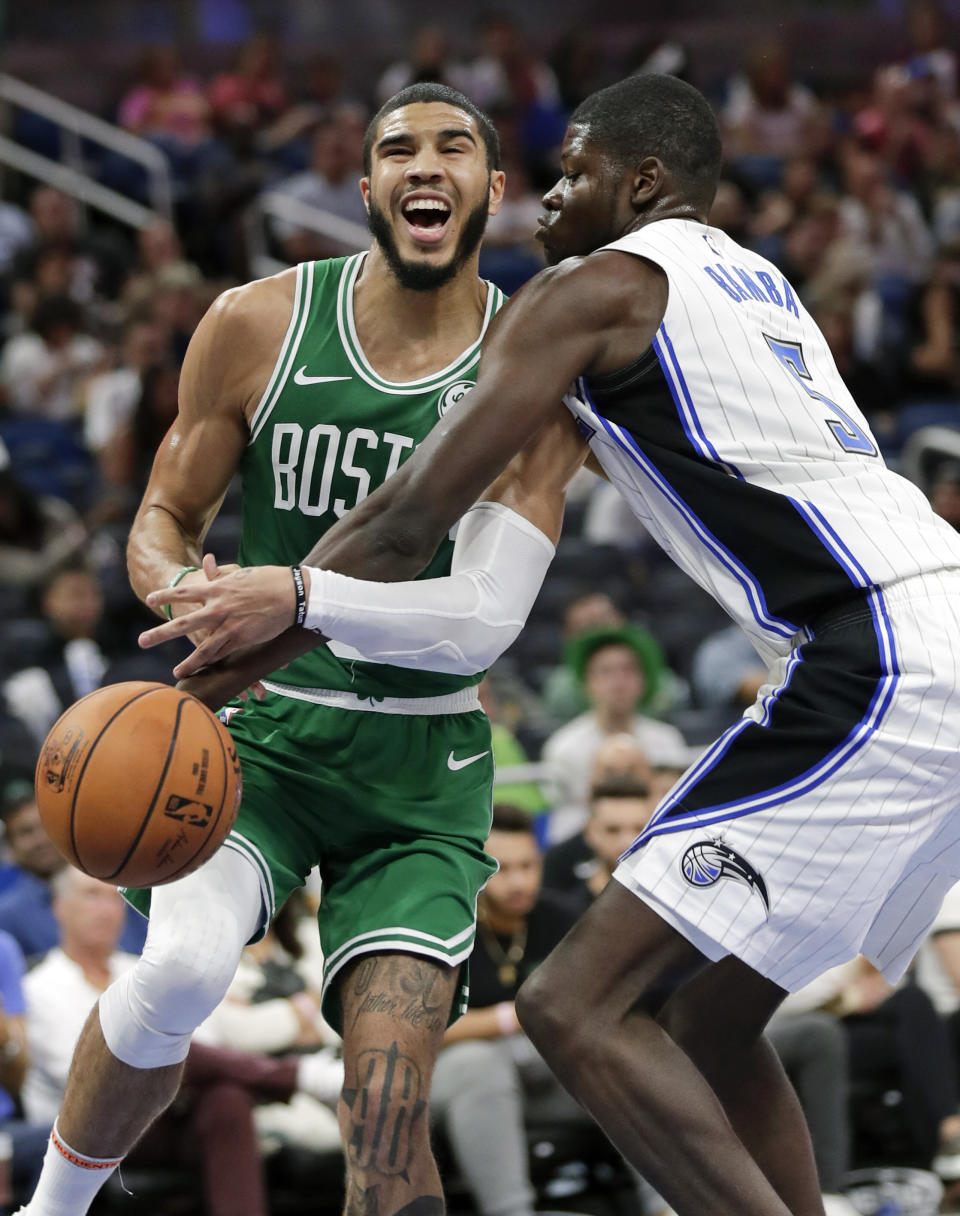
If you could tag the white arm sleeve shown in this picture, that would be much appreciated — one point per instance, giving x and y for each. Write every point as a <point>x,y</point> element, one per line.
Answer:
<point>458,624</point>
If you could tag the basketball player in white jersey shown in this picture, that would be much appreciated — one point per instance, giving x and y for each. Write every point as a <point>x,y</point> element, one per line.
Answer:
<point>823,823</point>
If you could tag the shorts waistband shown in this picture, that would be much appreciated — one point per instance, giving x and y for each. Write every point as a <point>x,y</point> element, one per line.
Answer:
<point>465,700</point>
<point>857,606</point>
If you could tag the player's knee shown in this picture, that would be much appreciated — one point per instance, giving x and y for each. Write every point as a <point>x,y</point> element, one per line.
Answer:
<point>148,1016</point>
<point>547,1014</point>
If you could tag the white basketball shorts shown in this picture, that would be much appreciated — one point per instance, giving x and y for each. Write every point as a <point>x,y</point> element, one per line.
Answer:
<point>826,821</point>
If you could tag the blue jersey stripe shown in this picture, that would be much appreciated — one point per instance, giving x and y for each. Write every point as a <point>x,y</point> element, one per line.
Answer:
<point>754,592</point>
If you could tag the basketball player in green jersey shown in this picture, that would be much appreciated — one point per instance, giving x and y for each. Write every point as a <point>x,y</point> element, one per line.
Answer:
<point>315,385</point>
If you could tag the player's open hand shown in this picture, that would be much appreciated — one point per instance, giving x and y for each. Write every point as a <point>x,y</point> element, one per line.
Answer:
<point>251,605</point>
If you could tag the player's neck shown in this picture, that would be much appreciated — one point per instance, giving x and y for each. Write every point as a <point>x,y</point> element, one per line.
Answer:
<point>407,334</point>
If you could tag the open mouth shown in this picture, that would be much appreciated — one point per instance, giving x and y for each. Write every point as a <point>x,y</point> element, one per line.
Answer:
<point>426,219</point>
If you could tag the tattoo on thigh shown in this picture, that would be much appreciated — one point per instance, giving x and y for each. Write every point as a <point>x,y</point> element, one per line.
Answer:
<point>404,988</point>
<point>384,1108</point>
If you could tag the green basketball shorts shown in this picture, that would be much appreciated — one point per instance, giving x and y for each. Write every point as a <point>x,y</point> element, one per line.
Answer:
<point>392,800</point>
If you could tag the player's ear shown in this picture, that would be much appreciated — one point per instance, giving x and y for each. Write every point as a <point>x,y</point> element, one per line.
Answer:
<point>497,181</point>
<point>647,182</point>
<point>365,191</point>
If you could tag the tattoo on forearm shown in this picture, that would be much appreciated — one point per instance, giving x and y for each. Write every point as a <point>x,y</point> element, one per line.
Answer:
<point>384,1108</point>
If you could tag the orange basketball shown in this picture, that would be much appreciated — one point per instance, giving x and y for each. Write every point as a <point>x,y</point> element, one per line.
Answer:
<point>138,784</point>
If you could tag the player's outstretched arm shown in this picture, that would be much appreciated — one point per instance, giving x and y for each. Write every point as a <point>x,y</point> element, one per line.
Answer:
<point>458,624</point>
<point>588,315</point>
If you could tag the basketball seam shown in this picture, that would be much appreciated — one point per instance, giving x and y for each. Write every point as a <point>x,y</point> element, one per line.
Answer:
<point>156,793</point>
<point>206,840</point>
<point>93,746</point>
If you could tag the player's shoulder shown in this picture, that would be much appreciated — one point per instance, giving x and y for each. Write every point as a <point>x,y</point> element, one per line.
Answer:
<point>606,284</point>
<point>250,303</point>
<point>245,325</point>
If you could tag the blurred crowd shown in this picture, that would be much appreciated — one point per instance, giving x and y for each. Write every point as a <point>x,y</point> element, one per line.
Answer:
<point>625,668</point>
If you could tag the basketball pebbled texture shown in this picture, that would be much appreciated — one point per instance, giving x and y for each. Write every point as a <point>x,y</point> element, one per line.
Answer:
<point>138,784</point>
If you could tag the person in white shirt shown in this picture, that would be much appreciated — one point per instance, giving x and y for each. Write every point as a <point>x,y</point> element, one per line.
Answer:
<point>619,668</point>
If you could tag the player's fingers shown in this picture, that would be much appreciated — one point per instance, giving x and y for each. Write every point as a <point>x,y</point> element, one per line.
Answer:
<point>202,621</point>
<point>192,593</point>
<point>209,566</point>
<point>206,653</point>
<point>258,691</point>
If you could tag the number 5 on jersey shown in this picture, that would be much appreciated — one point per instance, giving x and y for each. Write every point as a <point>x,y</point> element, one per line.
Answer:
<point>846,432</point>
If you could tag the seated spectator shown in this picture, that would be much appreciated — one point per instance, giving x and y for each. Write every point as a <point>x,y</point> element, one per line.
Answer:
<point>563,693</point>
<point>26,896</point>
<point>158,248</point>
<point>272,1007</point>
<point>726,670</point>
<point>126,454</point>
<point>620,669</point>
<point>933,370</point>
<point>945,492</point>
<point>73,657</point>
<point>896,1041</point>
<point>489,1083</point>
<point>112,396</point>
<point>331,183</point>
<point>619,810</point>
<point>508,753</point>
<point>98,258</point>
<point>213,1115</point>
<point>165,104</point>
<point>768,113</point>
<point>38,532</point>
<point>428,59</point>
<point>251,94</point>
<point>44,369</point>
<point>28,1140</point>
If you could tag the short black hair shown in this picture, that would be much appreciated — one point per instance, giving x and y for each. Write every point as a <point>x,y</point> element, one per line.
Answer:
<point>619,786</point>
<point>654,115</point>
<point>426,92</point>
<point>510,818</point>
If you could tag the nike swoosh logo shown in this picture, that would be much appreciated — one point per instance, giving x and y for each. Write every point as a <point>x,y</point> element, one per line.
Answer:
<point>453,764</point>
<point>300,377</point>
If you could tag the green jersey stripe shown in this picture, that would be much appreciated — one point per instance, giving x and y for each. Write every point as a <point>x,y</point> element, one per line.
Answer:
<point>355,353</point>
<point>288,351</point>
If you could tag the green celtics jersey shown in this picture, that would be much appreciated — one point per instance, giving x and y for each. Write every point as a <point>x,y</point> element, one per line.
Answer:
<point>327,432</point>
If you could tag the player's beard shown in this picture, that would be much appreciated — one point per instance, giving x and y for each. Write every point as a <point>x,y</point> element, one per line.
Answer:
<point>425,276</point>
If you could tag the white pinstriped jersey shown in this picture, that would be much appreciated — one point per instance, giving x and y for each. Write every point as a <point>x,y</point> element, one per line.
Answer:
<point>736,442</point>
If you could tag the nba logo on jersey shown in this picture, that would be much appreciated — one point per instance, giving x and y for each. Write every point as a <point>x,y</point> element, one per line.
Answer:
<point>456,392</point>
<point>707,861</point>
<point>712,244</point>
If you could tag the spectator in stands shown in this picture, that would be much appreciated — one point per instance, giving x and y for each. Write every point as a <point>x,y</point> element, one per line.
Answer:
<point>620,668</point>
<point>619,810</point>
<point>71,657</point>
<point>126,453</point>
<point>933,371</point>
<point>428,59</point>
<point>251,94</point>
<point>45,369</point>
<point>768,113</point>
<point>158,248</point>
<point>166,105</point>
<point>895,1041</point>
<point>726,671</point>
<point>16,233</point>
<point>273,1007</point>
<point>490,1084</point>
<point>29,1140</point>
<point>98,258</point>
<point>213,1117</point>
<point>945,492</point>
<point>508,752</point>
<point>563,693</point>
<point>37,534</point>
<point>26,898</point>
<point>112,400</point>
<point>884,221</point>
<point>331,183</point>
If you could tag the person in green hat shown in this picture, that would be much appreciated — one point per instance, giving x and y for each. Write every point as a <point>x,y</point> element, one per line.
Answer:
<point>620,668</point>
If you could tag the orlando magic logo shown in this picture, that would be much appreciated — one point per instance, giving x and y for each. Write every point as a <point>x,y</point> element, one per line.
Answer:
<point>707,861</point>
